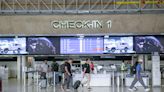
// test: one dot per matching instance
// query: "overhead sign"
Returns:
(79, 24)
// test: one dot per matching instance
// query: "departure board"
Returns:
(81, 45)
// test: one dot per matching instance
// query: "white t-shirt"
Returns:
(44, 67)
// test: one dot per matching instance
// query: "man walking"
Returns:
(86, 72)
(138, 76)
(67, 74)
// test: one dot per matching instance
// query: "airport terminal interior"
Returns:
(81, 45)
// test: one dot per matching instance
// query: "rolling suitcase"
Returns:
(43, 83)
(77, 84)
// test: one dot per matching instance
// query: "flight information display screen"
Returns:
(43, 45)
(84, 45)
(118, 45)
(149, 44)
(13, 46)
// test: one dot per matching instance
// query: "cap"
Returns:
(140, 60)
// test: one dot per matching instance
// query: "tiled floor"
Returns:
(17, 86)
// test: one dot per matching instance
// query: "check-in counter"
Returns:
(129, 79)
(96, 79)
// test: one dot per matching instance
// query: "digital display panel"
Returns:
(149, 44)
(43, 45)
(118, 45)
(84, 45)
(13, 46)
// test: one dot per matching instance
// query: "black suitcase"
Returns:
(77, 84)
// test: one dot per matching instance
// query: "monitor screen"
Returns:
(118, 45)
(85, 45)
(13, 46)
(43, 45)
(149, 44)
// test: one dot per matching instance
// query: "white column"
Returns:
(23, 58)
(19, 67)
(146, 62)
(156, 74)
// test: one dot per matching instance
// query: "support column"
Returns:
(20, 67)
(156, 74)
(146, 64)
(19, 62)
(23, 66)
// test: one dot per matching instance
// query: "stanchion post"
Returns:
(54, 79)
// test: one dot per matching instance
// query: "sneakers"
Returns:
(68, 90)
(82, 85)
(135, 89)
(147, 89)
(130, 89)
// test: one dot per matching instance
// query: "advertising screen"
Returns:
(118, 45)
(13, 46)
(85, 45)
(43, 45)
(149, 44)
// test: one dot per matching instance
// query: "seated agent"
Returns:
(138, 76)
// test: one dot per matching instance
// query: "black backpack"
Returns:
(55, 67)
(133, 69)
(62, 68)
(83, 66)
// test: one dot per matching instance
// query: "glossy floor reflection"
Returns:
(17, 86)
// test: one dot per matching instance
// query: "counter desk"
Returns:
(96, 79)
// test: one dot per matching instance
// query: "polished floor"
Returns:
(18, 86)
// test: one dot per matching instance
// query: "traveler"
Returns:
(49, 76)
(67, 74)
(123, 69)
(86, 72)
(138, 76)
(123, 66)
(55, 69)
(44, 69)
(92, 66)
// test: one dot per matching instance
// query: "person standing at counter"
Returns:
(92, 66)
(123, 69)
(44, 69)
(138, 76)
(55, 69)
(86, 72)
(123, 66)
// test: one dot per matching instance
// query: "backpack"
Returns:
(133, 69)
(83, 66)
(62, 68)
(55, 67)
